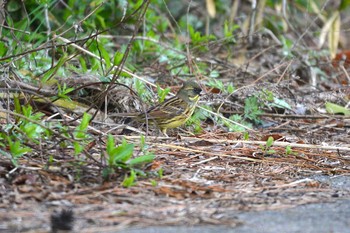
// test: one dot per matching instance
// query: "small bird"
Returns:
(175, 111)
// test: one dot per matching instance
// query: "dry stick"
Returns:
(282, 144)
(206, 160)
(16, 30)
(345, 72)
(305, 116)
(226, 119)
(284, 72)
(325, 116)
(204, 152)
(276, 143)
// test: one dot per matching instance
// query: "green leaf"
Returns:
(129, 180)
(16, 148)
(271, 152)
(49, 74)
(230, 88)
(336, 109)
(105, 56)
(85, 121)
(83, 65)
(269, 142)
(78, 148)
(122, 153)
(288, 150)
(106, 172)
(118, 57)
(344, 4)
(154, 183)
(110, 145)
(162, 93)
(141, 160)
(287, 45)
(160, 173)
(102, 21)
(17, 104)
(229, 30)
(27, 111)
(246, 135)
(216, 83)
(252, 109)
(234, 127)
(32, 130)
(142, 141)
(80, 131)
(214, 74)
(3, 49)
(63, 91)
(280, 103)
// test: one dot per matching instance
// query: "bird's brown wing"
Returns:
(169, 109)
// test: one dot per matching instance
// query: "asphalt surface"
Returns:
(312, 218)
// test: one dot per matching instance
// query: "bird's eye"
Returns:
(197, 90)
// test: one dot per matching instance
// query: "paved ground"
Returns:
(331, 216)
(312, 218)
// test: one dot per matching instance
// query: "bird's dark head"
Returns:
(190, 89)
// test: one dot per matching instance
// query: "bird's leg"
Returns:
(164, 132)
